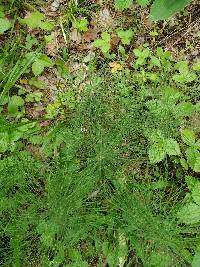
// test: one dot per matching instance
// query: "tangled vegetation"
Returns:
(100, 134)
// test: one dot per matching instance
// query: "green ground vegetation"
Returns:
(99, 151)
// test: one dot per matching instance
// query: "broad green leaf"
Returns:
(34, 97)
(125, 36)
(184, 109)
(196, 193)
(171, 94)
(142, 55)
(191, 182)
(183, 163)
(37, 68)
(196, 167)
(155, 61)
(33, 20)
(143, 3)
(172, 147)
(189, 214)
(163, 9)
(181, 78)
(196, 260)
(193, 158)
(14, 104)
(15, 135)
(81, 25)
(40, 63)
(4, 25)
(123, 4)
(182, 67)
(188, 137)
(105, 36)
(46, 25)
(157, 152)
(4, 142)
(36, 20)
(104, 43)
(37, 83)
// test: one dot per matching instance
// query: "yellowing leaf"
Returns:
(115, 67)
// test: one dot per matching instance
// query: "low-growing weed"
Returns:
(106, 177)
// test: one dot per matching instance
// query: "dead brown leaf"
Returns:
(114, 42)
(90, 35)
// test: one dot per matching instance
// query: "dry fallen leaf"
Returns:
(75, 36)
(90, 35)
(114, 42)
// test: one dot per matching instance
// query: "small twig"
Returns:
(63, 32)
(193, 24)
(176, 32)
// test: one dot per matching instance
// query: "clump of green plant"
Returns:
(64, 101)
(125, 36)
(81, 25)
(104, 43)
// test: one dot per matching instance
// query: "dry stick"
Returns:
(63, 32)
(193, 24)
(174, 33)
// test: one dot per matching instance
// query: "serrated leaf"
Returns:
(4, 25)
(191, 182)
(155, 61)
(104, 43)
(183, 163)
(196, 193)
(163, 9)
(81, 25)
(193, 158)
(172, 147)
(189, 214)
(157, 152)
(196, 167)
(123, 4)
(36, 20)
(184, 109)
(105, 36)
(171, 95)
(37, 83)
(188, 137)
(125, 36)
